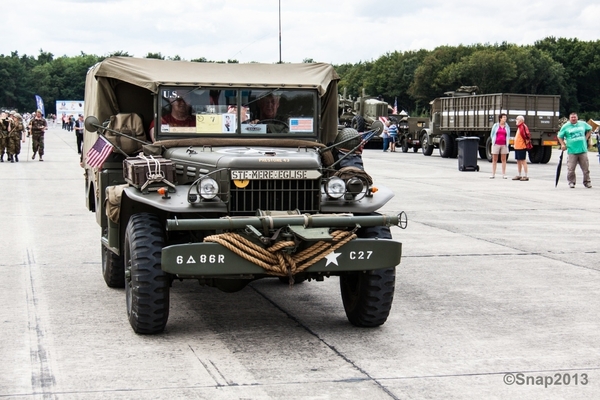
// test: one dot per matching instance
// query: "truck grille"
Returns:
(275, 195)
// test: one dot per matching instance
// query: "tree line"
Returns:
(553, 66)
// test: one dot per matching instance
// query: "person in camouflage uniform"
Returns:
(4, 123)
(15, 135)
(37, 127)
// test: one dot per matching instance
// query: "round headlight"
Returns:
(208, 188)
(355, 186)
(335, 187)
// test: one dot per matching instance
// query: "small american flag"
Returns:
(99, 152)
(396, 105)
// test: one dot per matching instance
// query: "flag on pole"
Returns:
(40, 104)
(99, 152)
(396, 105)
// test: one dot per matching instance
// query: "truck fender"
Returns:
(90, 193)
(427, 133)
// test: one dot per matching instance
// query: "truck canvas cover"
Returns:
(127, 84)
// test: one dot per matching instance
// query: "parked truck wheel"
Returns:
(482, 153)
(367, 296)
(487, 150)
(454, 148)
(112, 268)
(547, 155)
(536, 154)
(446, 146)
(415, 149)
(427, 148)
(146, 285)
(358, 123)
(404, 145)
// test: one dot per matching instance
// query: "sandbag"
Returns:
(112, 204)
(129, 124)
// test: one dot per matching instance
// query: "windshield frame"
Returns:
(232, 112)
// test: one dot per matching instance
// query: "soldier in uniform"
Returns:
(15, 135)
(4, 125)
(37, 127)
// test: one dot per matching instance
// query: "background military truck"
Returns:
(463, 115)
(225, 198)
(366, 113)
(409, 132)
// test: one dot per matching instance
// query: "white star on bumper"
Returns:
(332, 258)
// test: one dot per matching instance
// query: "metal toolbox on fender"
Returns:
(148, 172)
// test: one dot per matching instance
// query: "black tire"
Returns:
(146, 285)
(547, 155)
(536, 154)
(112, 269)
(416, 148)
(404, 145)
(358, 123)
(368, 296)
(482, 153)
(446, 146)
(488, 149)
(427, 149)
(454, 148)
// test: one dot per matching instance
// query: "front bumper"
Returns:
(199, 260)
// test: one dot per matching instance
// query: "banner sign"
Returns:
(40, 104)
(69, 107)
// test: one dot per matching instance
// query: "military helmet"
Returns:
(347, 138)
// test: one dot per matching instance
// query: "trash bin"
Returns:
(468, 148)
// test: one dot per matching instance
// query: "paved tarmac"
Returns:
(499, 280)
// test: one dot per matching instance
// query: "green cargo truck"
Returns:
(473, 115)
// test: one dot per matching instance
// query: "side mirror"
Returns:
(92, 124)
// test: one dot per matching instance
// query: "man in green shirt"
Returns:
(576, 135)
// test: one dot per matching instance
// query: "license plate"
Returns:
(275, 174)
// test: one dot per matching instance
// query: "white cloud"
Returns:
(325, 30)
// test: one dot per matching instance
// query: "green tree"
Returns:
(488, 69)
(427, 85)
(581, 61)
(157, 56)
(119, 53)
(353, 78)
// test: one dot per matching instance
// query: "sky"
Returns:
(332, 31)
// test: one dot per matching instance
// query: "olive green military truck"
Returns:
(463, 114)
(228, 173)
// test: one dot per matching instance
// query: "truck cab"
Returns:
(240, 174)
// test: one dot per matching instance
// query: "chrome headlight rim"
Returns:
(207, 188)
(335, 187)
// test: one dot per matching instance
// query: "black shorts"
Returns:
(520, 154)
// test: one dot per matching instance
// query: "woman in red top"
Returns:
(500, 136)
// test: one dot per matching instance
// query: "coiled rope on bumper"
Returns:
(274, 260)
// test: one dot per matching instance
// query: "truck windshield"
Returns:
(193, 112)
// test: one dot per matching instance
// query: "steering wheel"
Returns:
(275, 122)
